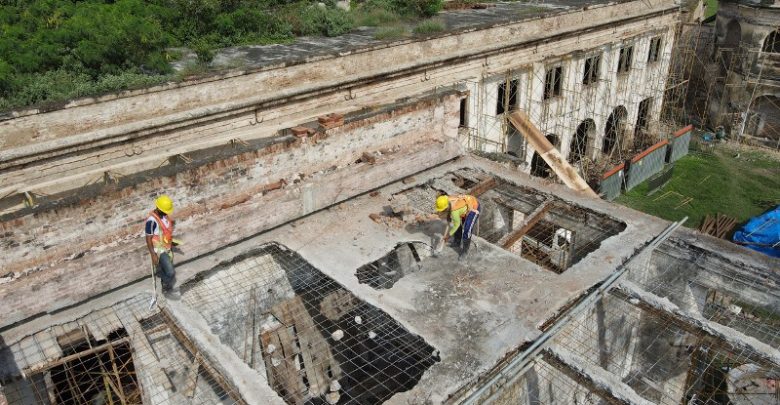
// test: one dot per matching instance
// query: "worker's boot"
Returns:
(465, 250)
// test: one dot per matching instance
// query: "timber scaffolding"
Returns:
(669, 322)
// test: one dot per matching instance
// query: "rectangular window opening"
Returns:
(625, 59)
(591, 71)
(463, 113)
(506, 101)
(655, 50)
(553, 81)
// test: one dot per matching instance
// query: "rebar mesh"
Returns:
(300, 332)
(668, 355)
(124, 354)
(310, 337)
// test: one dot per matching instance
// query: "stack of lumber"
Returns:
(718, 226)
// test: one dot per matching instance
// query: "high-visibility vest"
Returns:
(459, 201)
(163, 241)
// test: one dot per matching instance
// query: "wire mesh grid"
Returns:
(304, 335)
(308, 337)
(122, 354)
(665, 358)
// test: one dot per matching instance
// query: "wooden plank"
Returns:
(547, 151)
(532, 219)
(483, 186)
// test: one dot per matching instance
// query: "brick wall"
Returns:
(64, 253)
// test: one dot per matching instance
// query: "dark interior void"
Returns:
(89, 371)
(733, 294)
(314, 340)
(537, 226)
(104, 376)
(404, 259)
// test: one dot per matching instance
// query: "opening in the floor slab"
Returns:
(402, 260)
(93, 372)
(312, 339)
(532, 224)
(553, 234)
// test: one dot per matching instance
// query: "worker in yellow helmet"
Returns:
(159, 240)
(462, 212)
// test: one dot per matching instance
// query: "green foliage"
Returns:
(421, 8)
(429, 27)
(52, 50)
(61, 85)
(375, 17)
(330, 22)
(392, 32)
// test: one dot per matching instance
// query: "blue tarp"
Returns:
(762, 233)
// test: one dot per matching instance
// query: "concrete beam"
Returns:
(533, 218)
(221, 361)
(722, 336)
(596, 379)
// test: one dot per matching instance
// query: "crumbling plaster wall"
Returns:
(67, 253)
(561, 115)
(47, 152)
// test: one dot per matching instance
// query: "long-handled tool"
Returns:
(154, 288)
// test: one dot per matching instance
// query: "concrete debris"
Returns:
(271, 348)
(335, 386)
(337, 335)
(371, 335)
(333, 397)
(358, 320)
(275, 361)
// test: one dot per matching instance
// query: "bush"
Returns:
(421, 8)
(61, 85)
(204, 49)
(330, 22)
(389, 33)
(429, 27)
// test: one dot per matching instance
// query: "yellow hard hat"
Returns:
(164, 204)
(442, 202)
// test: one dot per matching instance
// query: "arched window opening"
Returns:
(613, 132)
(579, 142)
(772, 42)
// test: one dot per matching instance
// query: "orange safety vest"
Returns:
(459, 201)
(164, 241)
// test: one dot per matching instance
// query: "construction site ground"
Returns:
(739, 181)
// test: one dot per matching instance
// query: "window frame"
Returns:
(514, 88)
(555, 74)
(654, 53)
(591, 76)
(625, 59)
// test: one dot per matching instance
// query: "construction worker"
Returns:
(159, 241)
(462, 212)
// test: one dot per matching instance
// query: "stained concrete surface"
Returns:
(474, 312)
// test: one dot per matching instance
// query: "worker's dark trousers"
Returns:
(166, 271)
(463, 234)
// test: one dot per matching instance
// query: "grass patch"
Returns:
(375, 17)
(428, 27)
(718, 182)
(390, 33)
(712, 8)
